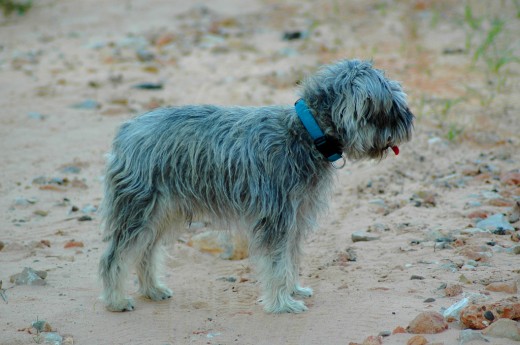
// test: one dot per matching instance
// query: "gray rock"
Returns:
(503, 328)
(88, 104)
(29, 277)
(496, 222)
(468, 335)
(360, 236)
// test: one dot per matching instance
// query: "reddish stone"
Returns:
(73, 244)
(473, 316)
(501, 202)
(509, 287)
(428, 322)
(373, 340)
(478, 214)
(511, 178)
(398, 330)
(453, 290)
(417, 340)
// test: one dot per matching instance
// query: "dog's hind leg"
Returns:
(113, 269)
(151, 254)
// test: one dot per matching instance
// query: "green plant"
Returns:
(454, 131)
(10, 6)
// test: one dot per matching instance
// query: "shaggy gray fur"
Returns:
(255, 167)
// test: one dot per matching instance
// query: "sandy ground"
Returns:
(461, 164)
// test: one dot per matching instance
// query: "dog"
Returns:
(268, 170)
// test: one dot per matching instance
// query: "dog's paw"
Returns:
(301, 291)
(125, 304)
(158, 293)
(289, 305)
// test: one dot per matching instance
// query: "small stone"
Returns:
(373, 340)
(428, 322)
(417, 340)
(41, 213)
(144, 55)
(53, 338)
(473, 316)
(514, 214)
(2, 245)
(29, 277)
(398, 330)
(503, 328)
(74, 244)
(429, 300)
(416, 277)
(511, 178)
(468, 335)
(495, 222)
(489, 315)
(88, 104)
(453, 290)
(478, 214)
(384, 334)
(164, 39)
(84, 218)
(148, 86)
(361, 236)
(509, 287)
(42, 326)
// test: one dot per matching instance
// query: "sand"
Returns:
(461, 163)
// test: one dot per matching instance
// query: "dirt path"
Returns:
(72, 71)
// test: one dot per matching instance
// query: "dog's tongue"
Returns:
(395, 149)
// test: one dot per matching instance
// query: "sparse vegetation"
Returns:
(20, 7)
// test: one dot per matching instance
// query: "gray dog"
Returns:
(266, 170)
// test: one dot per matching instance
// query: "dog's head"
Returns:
(364, 110)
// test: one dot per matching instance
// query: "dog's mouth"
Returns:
(394, 148)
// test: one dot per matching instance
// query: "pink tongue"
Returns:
(395, 149)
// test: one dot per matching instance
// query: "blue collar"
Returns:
(328, 146)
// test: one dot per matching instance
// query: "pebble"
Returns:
(511, 178)
(385, 333)
(453, 290)
(417, 340)
(74, 244)
(429, 300)
(144, 55)
(148, 86)
(503, 328)
(495, 222)
(416, 277)
(88, 104)
(509, 287)
(2, 245)
(428, 322)
(53, 338)
(468, 335)
(294, 35)
(84, 218)
(474, 317)
(362, 236)
(29, 277)
(41, 326)
(89, 208)
(514, 214)
(399, 330)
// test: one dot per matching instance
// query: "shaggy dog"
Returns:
(266, 170)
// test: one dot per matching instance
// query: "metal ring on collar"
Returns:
(335, 164)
